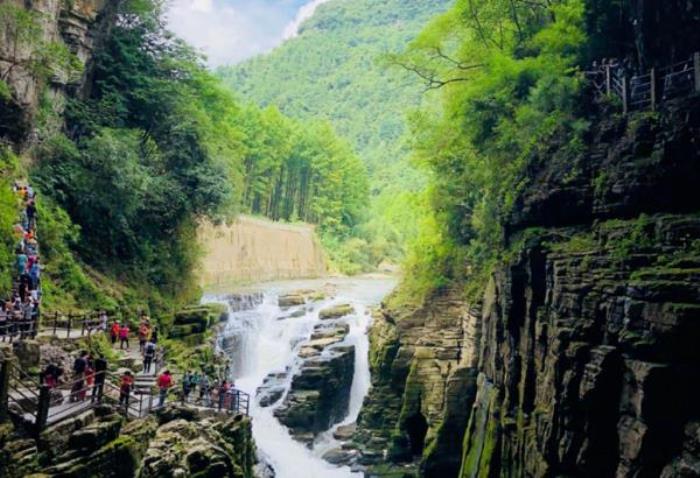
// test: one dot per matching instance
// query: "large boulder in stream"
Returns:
(336, 312)
(320, 393)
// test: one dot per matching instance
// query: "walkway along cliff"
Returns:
(255, 250)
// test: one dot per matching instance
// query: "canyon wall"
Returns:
(254, 250)
(27, 47)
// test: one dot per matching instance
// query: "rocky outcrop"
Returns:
(319, 395)
(30, 29)
(192, 323)
(423, 364)
(587, 359)
(581, 358)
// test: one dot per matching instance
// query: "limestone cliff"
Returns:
(582, 360)
(33, 36)
(253, 250)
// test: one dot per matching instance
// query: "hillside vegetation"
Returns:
(336, 70)
(152, 145)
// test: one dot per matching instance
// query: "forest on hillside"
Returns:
(336, 69)
(127, 166)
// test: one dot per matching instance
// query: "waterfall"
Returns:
(264, 339)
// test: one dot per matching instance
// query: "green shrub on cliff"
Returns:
(507, 73)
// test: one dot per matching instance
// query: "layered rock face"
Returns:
(77, 25)
(582, 357)
(423, 382)
(588, 364)
(320, 391)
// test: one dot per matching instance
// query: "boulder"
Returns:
(336, 312)
(345, 432)
(290, 300)
(319, 394)
(28, 353)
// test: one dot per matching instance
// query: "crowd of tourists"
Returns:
(20, 312)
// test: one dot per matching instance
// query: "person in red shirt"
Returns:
(144, 335)
(124, 336)
(114, 332)
(127, 382)
(165, 381)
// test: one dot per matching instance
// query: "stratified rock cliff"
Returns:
(33, 35)
(584, 356)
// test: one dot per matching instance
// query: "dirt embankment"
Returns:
(253, 250)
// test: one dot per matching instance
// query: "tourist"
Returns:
(144, 334)
(149, 352)
(114, 332)
(127, 382)
(154, 335)
(222, 391)
(186, 386)
(124, 336)
(103, 320)
(100, 376)
(34, 274)
(204, 392)
(79, 367)
(89, 379)
(165, 381)
(50, 376)
(30, 212)
(21, 263)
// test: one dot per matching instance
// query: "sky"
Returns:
(229, 31)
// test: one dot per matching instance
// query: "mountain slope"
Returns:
(333, 70)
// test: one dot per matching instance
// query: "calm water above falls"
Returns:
(258, 344)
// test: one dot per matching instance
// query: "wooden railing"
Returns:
(645, 91)
(38, 406)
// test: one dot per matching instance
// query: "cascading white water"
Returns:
(260, 344)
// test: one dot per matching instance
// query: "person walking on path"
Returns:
(35, 275)
(124, 336)
(114, 332)
(79, 367)
(103, 320)
(186, 386)
(149, 351)
(165, 381)
(204, 392)
(144, 335)
(127, 382)
(154, 335)
(89, 379)
(100, 375)
(223, 390)
(21, 263)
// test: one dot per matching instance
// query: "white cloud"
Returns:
(304, 13)
(229, 31)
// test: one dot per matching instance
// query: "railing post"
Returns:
(70, 319)
(5, 371)
(696, 68)
(608, 80)
(55, 323)
(42, 409)
(624, 95)
(82, 327)
(652, 79)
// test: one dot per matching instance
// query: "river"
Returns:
(259, 344)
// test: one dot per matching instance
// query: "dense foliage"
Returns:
(158, 145)
(333, 70)
(507, 73)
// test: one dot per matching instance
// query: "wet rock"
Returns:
(290, 300)
(271, 389)
(336, 312)
(319, 394)
(338, 456)
(345, 432)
